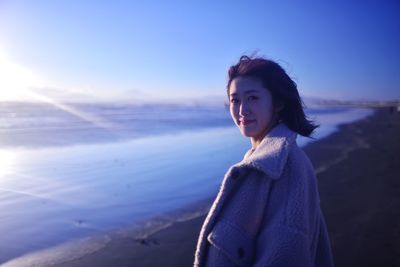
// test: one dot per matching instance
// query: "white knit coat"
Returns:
(267, 212)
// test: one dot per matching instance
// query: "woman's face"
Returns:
(251, 107)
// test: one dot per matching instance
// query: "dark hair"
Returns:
(283, 90)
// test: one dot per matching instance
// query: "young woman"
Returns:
(267, 212)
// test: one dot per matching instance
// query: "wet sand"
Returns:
(358, 171)
(359, 181)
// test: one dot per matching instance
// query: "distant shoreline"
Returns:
(41, 125)
(214, 101)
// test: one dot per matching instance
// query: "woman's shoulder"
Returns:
(299, 161)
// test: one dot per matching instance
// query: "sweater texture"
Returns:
(267, 211)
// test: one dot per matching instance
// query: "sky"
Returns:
(166, 49)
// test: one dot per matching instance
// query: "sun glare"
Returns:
(18, 84)
(15, 80)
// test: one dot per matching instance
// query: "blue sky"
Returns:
(337, 49)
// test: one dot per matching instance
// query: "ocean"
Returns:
(80, 173)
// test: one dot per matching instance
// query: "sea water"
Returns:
(75, 171)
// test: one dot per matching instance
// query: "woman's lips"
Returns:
(246, 122)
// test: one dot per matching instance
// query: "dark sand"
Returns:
(359, 178)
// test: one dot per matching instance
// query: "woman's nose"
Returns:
(244, 109)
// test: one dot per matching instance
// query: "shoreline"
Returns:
(30, 138)
(360, 190)
(174, 245)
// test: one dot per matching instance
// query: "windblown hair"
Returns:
(283, 90)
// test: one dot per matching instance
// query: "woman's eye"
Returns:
(253, 97)
(234, 101)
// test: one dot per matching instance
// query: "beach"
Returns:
(358, 174)
(359, 181)
(357, 168)
(119, 122)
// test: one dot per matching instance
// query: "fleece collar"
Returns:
(271, 154)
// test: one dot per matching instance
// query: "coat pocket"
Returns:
(230, 240)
